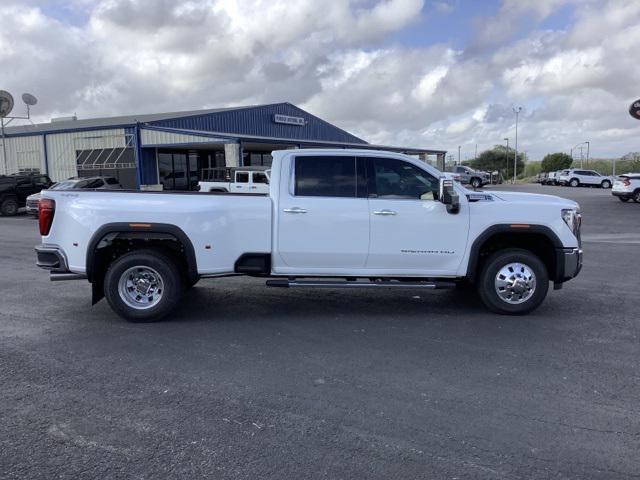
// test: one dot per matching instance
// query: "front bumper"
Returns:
(569, 264)
(32, 208)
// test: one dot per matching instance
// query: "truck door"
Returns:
(411, 232)
(241, 183)
(322, 217)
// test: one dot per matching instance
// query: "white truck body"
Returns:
(374, 236)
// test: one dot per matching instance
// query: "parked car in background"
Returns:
(100, 183)
(235, 180)
(627, 187)
(14, 190)
(468, 175)
(551, 178)
(541, 178)
(575, 177)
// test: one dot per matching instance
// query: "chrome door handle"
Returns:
(384, 212)
(295, 210)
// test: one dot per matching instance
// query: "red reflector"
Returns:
(46, 210)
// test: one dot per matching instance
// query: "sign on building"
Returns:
(288, 120)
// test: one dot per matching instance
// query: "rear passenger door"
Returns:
(241, 184)
(322, 217)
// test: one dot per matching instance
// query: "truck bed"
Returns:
(221, 227)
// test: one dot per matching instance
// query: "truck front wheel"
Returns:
(513, 282)
(143, 285)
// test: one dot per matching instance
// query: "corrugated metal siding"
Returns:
(22, 153)
(153, 137)
(61, 149)
(259, 121)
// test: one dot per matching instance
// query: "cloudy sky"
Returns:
(422, 73)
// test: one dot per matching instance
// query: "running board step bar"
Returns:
(358, 284)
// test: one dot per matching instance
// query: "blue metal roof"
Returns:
(256, 120)
(259, 121)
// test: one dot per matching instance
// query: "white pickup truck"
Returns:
(235, 180)
(332, 218)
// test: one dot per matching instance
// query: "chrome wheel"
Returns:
(141, 287)
(515, 283)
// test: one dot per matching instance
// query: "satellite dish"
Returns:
(29, 99)
(6, 103)
(634, 109)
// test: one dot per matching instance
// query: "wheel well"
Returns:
(111, 242)
(536, 242)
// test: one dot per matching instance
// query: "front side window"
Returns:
(396, 179)
(242, 177)
(259, 177)
(317, 176)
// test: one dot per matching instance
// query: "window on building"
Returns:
(325, 176)
(402, 180)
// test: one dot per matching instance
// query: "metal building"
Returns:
(172, 149)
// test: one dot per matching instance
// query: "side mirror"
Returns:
(448, 196)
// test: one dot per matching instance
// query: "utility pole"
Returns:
(458, 154)
(506, 158)
(587, 153)
(517, 111)
(475, 157)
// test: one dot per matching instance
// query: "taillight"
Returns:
(46, 210)
(625, 181)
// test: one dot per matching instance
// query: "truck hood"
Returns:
(520, 197)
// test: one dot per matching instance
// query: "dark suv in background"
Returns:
(14, 190)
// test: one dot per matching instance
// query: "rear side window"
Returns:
(317, 176)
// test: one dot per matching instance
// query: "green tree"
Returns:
(501, 159)
(556, 161)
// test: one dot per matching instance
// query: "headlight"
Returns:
(573, 219)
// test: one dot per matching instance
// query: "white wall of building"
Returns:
(27, 152)
(22, 153)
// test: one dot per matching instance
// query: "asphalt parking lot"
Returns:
(249, 382)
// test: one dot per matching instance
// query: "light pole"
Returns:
(506, 158)
(587, 153)
(458, 154)
(517, 111)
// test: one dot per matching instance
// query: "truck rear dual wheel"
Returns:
(513, 282)
(143, 285)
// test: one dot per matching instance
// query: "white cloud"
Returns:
(334, 57)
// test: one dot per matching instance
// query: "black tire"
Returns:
(476, 182)
(9, 207)
(605, 184)
(487, 281)
(623, 199)
(636, 196)
(574, 182)
(171, 282)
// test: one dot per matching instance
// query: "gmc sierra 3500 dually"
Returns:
(332, 218)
